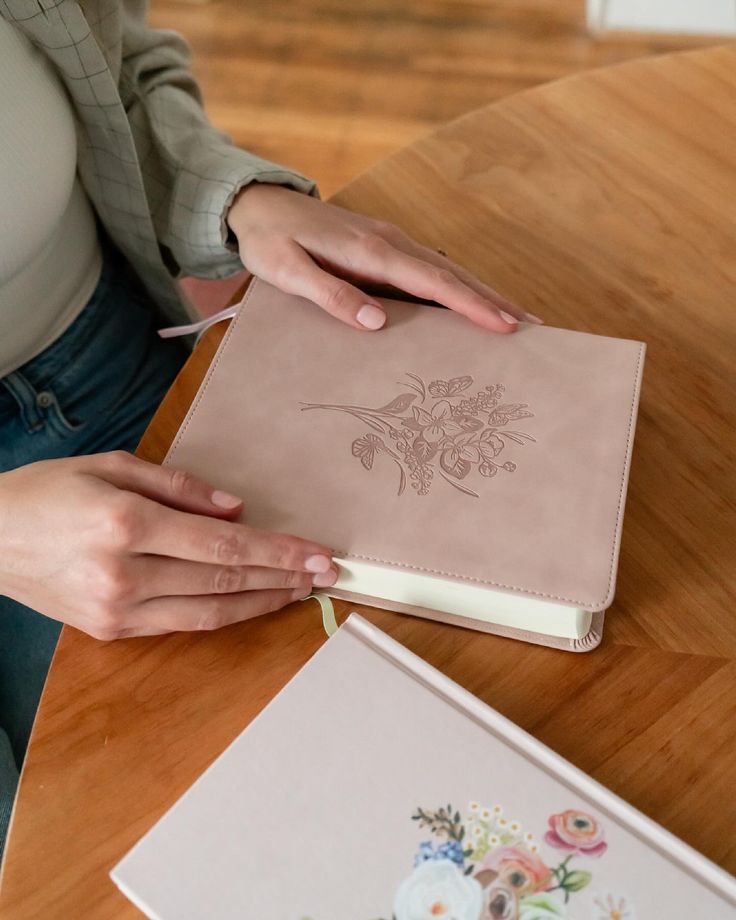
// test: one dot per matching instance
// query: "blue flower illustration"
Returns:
(426, 852)
(452, 850)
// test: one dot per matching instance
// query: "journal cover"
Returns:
(374, 788)
(433, 445)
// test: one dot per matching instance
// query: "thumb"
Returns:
(172, 487)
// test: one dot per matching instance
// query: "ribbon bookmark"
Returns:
(329, 622)
(172, 332)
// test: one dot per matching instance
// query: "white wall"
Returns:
(690, 16)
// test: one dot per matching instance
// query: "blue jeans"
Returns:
(94, 389)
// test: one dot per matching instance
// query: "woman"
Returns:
(114, 185)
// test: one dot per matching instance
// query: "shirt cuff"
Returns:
(204, 203)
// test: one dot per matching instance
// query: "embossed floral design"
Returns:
(366, 449)
(576, 831)
(446, 431)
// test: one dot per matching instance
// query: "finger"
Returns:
(411, 247)
(188, 614)
(432, 281)
(300, 275)
(173, 487)
(162, 531)
(158, 576)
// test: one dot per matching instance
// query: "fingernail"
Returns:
(225, 500)
(318, 564)
(371, 317)
(508, 317)
(531, 318)
(325, 579)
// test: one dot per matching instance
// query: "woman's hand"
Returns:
(119, 547)
(306, 247)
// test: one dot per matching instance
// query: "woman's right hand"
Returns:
(119, 547)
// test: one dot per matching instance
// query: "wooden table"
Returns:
(605, 203)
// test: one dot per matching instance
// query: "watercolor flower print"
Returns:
(484, 866)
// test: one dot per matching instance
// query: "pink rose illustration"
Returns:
(521, 870)
(576, 831)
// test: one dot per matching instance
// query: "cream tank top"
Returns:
(50, 255)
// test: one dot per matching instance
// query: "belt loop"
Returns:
(26, 398)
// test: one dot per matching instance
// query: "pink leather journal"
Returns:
(429, 448)
(374, 787)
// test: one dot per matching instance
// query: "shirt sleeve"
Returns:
(191, 171)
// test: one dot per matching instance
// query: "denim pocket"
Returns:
(56, 418)
(39, 410)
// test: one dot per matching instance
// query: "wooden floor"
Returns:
(329, 87)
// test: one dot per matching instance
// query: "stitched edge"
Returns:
(220, 351)
(594, 606)
(626, 463)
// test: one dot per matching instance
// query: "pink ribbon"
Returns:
(172, 332)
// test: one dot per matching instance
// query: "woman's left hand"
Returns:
(307, 247)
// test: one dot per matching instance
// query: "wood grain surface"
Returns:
(605, 203)
(330, 87)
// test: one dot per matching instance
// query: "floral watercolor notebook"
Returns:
(374, 788)
(461, 475)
